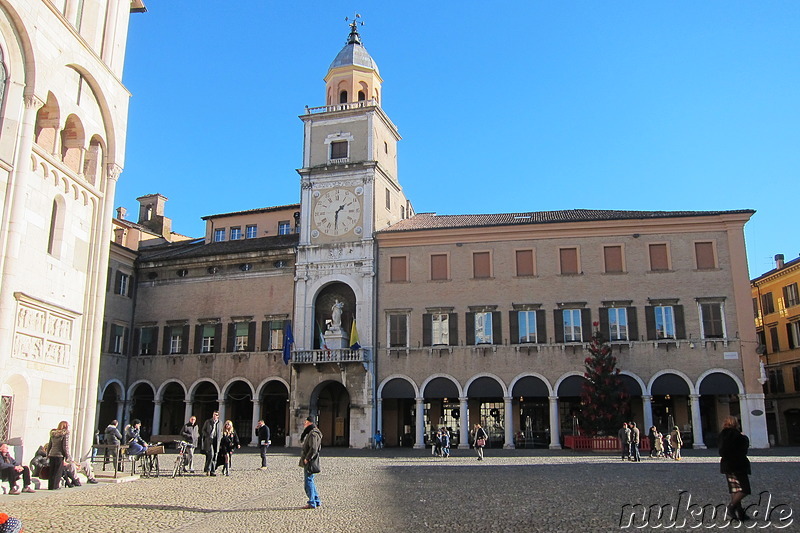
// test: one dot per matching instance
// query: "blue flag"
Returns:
(288, 340)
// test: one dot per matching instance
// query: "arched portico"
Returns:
(568, 389)
(675, 403)
(330, 405)
(490, 405)
(440, 405)
(396, 411)
(530, 395)
(237, 406)
(142, 406)
(719, 391)
(272, 406)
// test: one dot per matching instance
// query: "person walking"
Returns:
(677, 442)
(227, 444)
(624, 436)
(651, 436)
(733, 446)
(311, 440)
(58, 453)
(190, 433)
(263, 437)
(211, 434)
(445, 443)
(11, 471)
(635, 437)
(479, 436)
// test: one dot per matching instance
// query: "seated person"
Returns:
(39, 461)
(11, 470)
(136, 445)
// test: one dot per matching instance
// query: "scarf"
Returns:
(306, 431)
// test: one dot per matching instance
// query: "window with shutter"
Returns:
(440, 328)
(613, 259)
(438, 267)
(618, 323)
(398, 330)
(572, 325)
(704, 255)
(241, 331)
(483, 328)
(664, 322)
(711, 320)
(659, 260)
(398, 269)
(528, 331)
(568, 260)
(209, 336)
(524, 260)
(790, 295)
(481, 265)
(276, 333)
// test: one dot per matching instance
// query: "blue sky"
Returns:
(503, 107)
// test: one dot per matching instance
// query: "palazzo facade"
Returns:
(406, 322)
(63, 116)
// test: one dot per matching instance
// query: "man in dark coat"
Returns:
(11, 470)
(211, 434)
(733, 446)
(311, 440)
(263, 437)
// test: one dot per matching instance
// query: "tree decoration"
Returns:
(604, 400)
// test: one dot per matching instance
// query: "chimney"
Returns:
(121, 213)
(779, 261)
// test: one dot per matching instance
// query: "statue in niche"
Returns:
(336, 315)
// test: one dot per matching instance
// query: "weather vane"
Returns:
(354, 38)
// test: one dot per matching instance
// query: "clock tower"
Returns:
(349, 190)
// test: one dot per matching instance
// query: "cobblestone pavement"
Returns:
(407, 490)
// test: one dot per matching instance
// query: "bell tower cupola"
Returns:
(353, 76)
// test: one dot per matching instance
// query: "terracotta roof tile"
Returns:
(198, 247)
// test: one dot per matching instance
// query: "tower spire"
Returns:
(354, 37)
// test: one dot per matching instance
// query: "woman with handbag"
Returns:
(480, 437)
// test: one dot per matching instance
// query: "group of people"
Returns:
(441, 441)
(666, 445)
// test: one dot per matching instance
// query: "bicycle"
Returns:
(182, 460)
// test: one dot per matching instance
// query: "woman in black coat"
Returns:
(227, 444)
(733, 446)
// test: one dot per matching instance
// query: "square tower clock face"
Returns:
(337, 212)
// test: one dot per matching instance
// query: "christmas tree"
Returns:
(604, 400)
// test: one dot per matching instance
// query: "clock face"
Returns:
(337, 212)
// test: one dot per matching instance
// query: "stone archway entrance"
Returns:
(398, 413)
(332, 405)
(142, 408)
(275, 410)
(109, 407)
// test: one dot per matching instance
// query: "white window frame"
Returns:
(618, 324)
(276, 333)
(664, 321)
(574, 331)
(526, 321)
(440, 329)
(236, 233)
(240, 341)
(483, 328)
(794, 332)
(119, 338)
(251, 231)
(207, 341)
(285, 227)
(792, 297)
(175, 342)
(124, 284)
(219, 235)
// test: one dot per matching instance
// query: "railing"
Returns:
(341, 107)
(344, 355)
(577, 442)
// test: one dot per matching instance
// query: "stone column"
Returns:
(509, 423)
(555, 424)
(379, 416)
(221, 409)
(156, 429)
(255, 419)
(120, 411)
(187, 412)
(463, 423)
(697, 425)
(647, 410)
(420, 441)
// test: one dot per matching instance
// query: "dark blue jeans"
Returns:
(635, 452)
(311, 489)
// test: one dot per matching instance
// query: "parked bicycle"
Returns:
(182, 460)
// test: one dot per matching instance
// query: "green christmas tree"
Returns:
(605, 402)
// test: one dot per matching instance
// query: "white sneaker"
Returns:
(28, 489)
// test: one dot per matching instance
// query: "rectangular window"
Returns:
(219, 235)
(704, 254)
(796, 378)
(524, 262)
(236, 233)
(618, 323)
(284, 227)
(755, 307)
(776, 381)
(793, 335)
(659, 260)
(612, 256)
(240, 336)
(439, 267)
(147, 341)
(207, 343)
(176, 340)
(117, 339)
(398, 331)
(569, 260)
(527, 326)
(767, 304)
(711, 320)
(665, 322)
(773, 337)
(124, 284)
(440, 328)
(481, 265)
(251, 232)
(483, 328)
(572, 325)
(388, 200)
(276, 333)
(398, 269)
(339, 150)
(790, 295)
